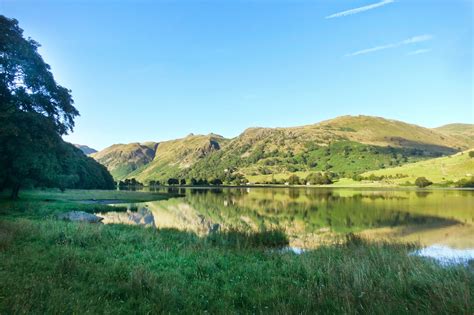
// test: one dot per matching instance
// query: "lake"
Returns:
(315, 216)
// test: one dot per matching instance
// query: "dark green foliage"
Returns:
(373, 177)
(345, 158)
(294, 180)
(422, 182)
(216, 182)
(131, 183)
(465, 183)
(88, 174)
(154, 183)
(34, 112)
(37, 156)
(27, 84)
(471, 154)
(202, 182)
(319, 179)
(173, 181)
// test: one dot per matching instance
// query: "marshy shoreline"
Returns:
(121, 269)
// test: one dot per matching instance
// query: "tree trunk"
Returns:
(15, 191)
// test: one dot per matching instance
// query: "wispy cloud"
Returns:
(409, 41)
(361, 9)
(419, 51)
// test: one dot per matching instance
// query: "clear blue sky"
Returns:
(157, 70)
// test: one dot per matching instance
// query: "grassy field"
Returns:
(440, 170)
(49, 266)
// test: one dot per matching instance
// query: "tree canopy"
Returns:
(35, 112)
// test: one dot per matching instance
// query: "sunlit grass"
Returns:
(49, 266)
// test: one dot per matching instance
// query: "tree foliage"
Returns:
(422, 182)
(319, 179)
(35, 112)
(294, 180)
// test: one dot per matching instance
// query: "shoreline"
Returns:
(313, 186)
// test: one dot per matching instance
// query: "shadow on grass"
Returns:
(53, 266)
(240, 239)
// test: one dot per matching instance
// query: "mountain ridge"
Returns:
(259, 149)
(85, 149)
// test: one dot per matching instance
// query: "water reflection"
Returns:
(143, 216)
(312, 217)
(446, 255)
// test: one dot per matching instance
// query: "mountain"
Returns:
(462, 132)
(345, 145)
(157, 160)
(171, 157)
(85, 149)
(122, 159)
(439, 170)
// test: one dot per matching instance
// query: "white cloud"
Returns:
(416, 39)
(419, 51)
(359, 10)
(409, 41)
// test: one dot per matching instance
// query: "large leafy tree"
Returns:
(35, 112)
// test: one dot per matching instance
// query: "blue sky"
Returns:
(158, 70)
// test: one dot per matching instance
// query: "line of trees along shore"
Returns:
(35, 112)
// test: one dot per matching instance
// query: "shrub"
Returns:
(216, 182)
(318, 179)
(471, 154)
(422, 182)
(465, 182)
(294, 180)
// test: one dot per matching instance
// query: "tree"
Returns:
(182, 182)
(465, 182)
(173, 181)
(35, 112)
(294, 180)
(422, 182)
(216, 182)
(202, 182)
(318, 179)
(471, 154)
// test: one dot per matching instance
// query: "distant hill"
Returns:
(439, 170)
(345, 145)
(85, 149)
(171, 157)
(122, 159)
(462, 132)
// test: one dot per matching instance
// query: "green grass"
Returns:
(440, 170)
(49, 266)
(39, 204)
(81, 195)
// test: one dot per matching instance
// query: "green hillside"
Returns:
(346, 145)
(172, 157)
(122, 159)
(85, 149)
(439, 170)
(462, 132)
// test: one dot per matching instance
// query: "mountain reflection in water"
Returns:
(312, 217)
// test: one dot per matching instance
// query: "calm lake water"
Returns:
(315, 216)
